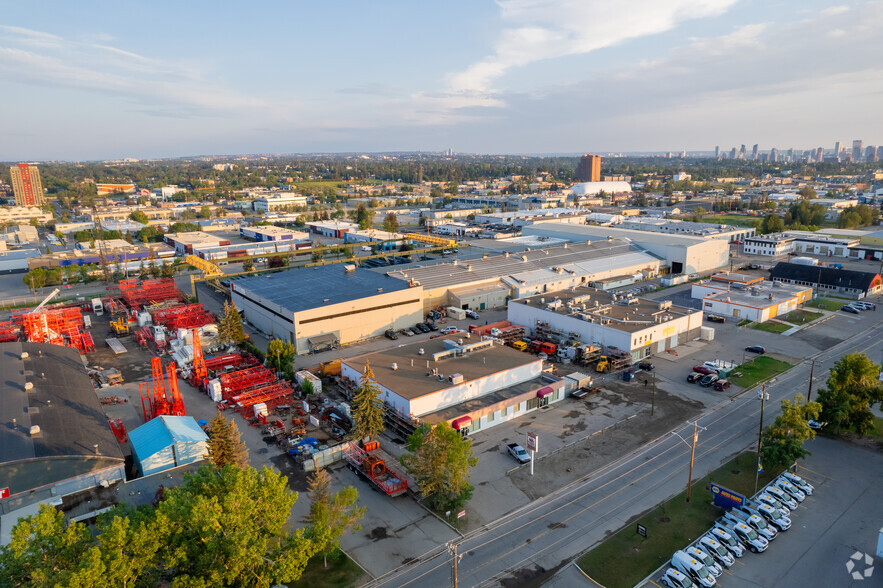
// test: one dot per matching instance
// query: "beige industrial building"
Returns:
(641, 327)
(327, 306)
(685, 255)
(489, 282)
(756, 300)
(471, 384)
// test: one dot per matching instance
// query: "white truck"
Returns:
(518, 452)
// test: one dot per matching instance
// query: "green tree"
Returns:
(391, 222)
(440, 459)
(205, 211)
(280, 355)
(306, 387)
(367, 408)
(331, 515)
(225, 445)
(248, 265)
(36, 278)
(364, 217)
(852, 389)
(772, 223)
(808, 193)
(782, 442)
(167, 270)
(139, 216)
(230, 328)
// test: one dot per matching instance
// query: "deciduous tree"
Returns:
(331, 515)
(440, 458)
(391, 222)
(367, 408)
(782, 442)
(852, 389)
(280, 355)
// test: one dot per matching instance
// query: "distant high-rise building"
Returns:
(754, 152)
(27, 185)
(820, 153)
(589, 168)
(870, 154)
(774, 155)
(879, 152)
(857, 147)
(742, 152)
(733, 153)
(791, 153)
(838, 147)
(717, 152)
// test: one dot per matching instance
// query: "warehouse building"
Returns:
(485, 283)
(271, 233)
(641, 327)
(685, 255)
(268, 248)
(381, 239)
(55, 439)
(471, 384)
(828, 280)
(332, 229)
(690, 229)
(520, 218)
(186, 242)
(167, 442)
(751, 298)
(326, 306)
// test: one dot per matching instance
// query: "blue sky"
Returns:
(89, 80)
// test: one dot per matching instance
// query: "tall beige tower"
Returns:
(27, 185)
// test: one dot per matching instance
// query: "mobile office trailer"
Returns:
(97, 307)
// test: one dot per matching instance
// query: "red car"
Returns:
(704, 370)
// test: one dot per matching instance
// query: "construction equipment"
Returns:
(119, 430)
(158, 398)
(176, 402)
(182, 316)
(137, 295)
(601, 367)
(52, 295)
(198, 369)
(431, 239)
(120, 326)
(373, 469)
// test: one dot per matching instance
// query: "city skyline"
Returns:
(516, 76)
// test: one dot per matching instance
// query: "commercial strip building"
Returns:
(185, 243)
(638, 326)
(327, 306)
(23, 214)
(392, 240)
(271, 233)
(777, 244)
(685, 255)
(471, 384)
(332, 229)
(520, 218)
(828, 280)
(750, 298)
(121, 252)
(26, 184)
(687, 228)
(488, 282)
(55, 439)
(279, 200)
(269, 248)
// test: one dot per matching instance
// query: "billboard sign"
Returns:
(532, 442)
(725, 497)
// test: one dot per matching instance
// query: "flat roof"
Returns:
(505, 265)
(194, 237)
(760, 296)
(736, 278)
(487, 400)
(411, 381)
(63, 403)
(595, 233)
(302, 289)
(274, 230)
(611, 309)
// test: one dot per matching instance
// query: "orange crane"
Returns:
(177, 403)
(160, 402)
(198, 371)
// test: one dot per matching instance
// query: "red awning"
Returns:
(461, 422)
(543, 392)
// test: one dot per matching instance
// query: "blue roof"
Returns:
(303, 289)
(157, 434)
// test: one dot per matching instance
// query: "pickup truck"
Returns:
(518, 452)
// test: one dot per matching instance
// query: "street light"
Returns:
(763, 398)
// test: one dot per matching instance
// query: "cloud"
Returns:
(548, 29)
(160, 88)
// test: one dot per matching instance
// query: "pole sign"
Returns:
(532, 442)
(642, 530)
(461, 514)
(4, 492)
(725, 497)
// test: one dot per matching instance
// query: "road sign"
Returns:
(642, 530)
(532, 442)
(4, 492)
(461, 514)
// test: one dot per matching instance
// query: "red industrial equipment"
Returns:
(148, 291)
(372, 468)
(146, 401)
(198, 370)
(8, 332)
(58, 326)
(248, 378)
(272, 394)
(119, 429)
(160, 403)
(177, 403)
(182, 316)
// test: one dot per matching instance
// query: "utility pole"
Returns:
(809, 388)
(452, 547)
(763, 399)
(653, 397)
(692, 457)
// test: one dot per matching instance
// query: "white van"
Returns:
(97, 307)
(696, 570)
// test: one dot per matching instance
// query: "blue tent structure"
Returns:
(167, 442)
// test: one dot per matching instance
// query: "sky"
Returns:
(104, 80)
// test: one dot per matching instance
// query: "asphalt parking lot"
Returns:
(841, 518)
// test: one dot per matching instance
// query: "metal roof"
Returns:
(302, 289)
(157, 434)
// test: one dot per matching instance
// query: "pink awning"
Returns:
(461, 422)
(543, 392)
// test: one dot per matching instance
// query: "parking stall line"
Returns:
(816, 473)
(655, 584)
(740, 563)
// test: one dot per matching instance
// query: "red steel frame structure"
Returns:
(183, 316)
(248, 378)
(148, 291)
(161, 398)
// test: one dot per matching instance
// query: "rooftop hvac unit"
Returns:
(29, 386)
(456, 379)
(395, 366)
(348, 268)
(420, 351)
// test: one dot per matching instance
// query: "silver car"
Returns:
(804, 486)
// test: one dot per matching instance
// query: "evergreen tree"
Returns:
(225, 445)
(366, 409)
(331, 515)
(230, 328)
(280, 355)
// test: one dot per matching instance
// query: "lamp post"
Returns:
(692, 456)
(763, 398)
(809, 389)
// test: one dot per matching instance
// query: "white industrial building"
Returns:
(272, 233)
(333, 229)
(690, 229)
(641, 327)
(594, 188)
(279, 200)
(471, 384)
(685, 255)
(326, 306)
(520, 218)
(777, 244)
(749, 298)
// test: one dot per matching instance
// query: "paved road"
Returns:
(543, 536)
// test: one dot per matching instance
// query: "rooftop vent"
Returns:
(24, 355)
(395, 366)
(348, 268)
(456, 379)
(325, 299)
(420, 351)
(35, 431)
(29, 386)
(380, 289)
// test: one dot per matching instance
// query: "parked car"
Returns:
(865, 305)
(715, 568)
(721, 385)
(472, 314)
(518, 452)
(695, 377)
(743, 514)
(781, 496)
(675, 579)
(432, 326)
(804, 486)
(733, 545)
(716, 318)
(745, 534)
(755, 349)
(696, 570)
(390, 334)
(850, 309)
(791, 489)
(816, 425)
(767, 498)
(646, 366)
(704, 369)
(416, 330)
(774, 516)
(423, 327)
(434, 315)
(450, 330)
(406, 332)
(708, 380)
